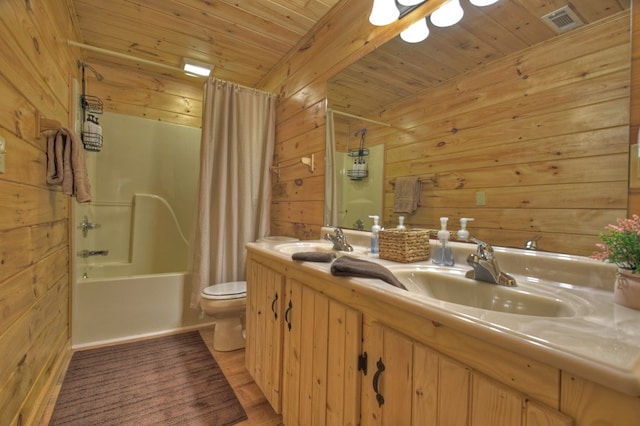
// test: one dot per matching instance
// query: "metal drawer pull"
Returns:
(273, 306)
(376, 377)
(286, 315)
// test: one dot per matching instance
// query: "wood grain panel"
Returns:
(299, 212)
(26, 345)
(34, 247)
(493, 404)
(589, 403)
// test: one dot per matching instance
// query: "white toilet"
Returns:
(226, 303)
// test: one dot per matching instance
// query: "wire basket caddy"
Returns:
(92, 104)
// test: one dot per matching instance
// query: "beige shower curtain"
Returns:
(238, 133)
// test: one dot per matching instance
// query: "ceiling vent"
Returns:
(563, 19)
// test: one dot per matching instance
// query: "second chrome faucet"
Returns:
(339, 240)
(485, 266)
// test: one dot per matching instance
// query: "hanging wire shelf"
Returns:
(357, 174)
(92, 141)
(360, 169)
(92, 104)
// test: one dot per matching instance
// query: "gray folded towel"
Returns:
(350, 266)
(314, 256)
(407, 194)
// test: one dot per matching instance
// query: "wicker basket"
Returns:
(404, 246)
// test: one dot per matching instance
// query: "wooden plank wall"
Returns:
(35, 74)
(149, 94)
(587, 192)
(341, 37)
(634, 193)
(543, 134)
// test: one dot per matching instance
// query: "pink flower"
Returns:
(621, 244)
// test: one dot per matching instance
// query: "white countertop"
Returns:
(601, 342)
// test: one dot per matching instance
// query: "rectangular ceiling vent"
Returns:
(563, 19)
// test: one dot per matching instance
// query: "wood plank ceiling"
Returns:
(244, 39)
(485, 34)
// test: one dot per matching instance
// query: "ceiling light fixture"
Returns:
(450, 13)
(193, 67)
(384, 12)
(417, 32)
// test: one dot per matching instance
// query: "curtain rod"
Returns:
(346, 114)
(152, 63)
(243, 87)
(124, 56)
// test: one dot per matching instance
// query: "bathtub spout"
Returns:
(89, 253)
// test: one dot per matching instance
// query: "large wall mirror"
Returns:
(507, 117)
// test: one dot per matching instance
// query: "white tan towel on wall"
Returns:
(66, 165)
(407, 195)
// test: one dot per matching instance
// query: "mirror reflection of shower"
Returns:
(359, 172)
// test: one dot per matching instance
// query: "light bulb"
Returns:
(413, 2)
(450, 13)
(482, 2)
(417, 32)
(383, 12)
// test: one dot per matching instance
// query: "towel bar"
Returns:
(43, 124)
(393, 181)
(308, 161)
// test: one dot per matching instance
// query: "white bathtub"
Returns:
(122, 308)
(135, 290)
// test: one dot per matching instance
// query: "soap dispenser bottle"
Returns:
(463, 233)
(401, 226)
(374, 235)
(443, 254)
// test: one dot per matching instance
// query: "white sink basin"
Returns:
(450, 285)
(319, 246)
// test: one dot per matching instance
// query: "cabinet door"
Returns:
(265, 312)
(387, 388)
(321, 347)
(409, 384)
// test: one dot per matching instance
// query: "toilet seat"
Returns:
(226, 291)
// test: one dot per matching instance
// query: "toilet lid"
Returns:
(230, 290)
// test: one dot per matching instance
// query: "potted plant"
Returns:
(621, 245)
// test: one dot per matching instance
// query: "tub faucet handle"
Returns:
(85, 225)
(89, 253)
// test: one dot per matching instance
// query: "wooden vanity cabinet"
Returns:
(306, 332)
(302, 348)
(264, 328)
(410, 384)
(322, 341)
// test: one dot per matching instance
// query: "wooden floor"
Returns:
(258, 410)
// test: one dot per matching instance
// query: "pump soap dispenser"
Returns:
(443, 254)
(374, 235)
(463, 233)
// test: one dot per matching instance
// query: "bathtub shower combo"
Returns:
(134, 283)
(130, 245)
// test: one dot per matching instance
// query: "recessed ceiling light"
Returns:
(193, 67)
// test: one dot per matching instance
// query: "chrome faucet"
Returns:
(485, 266)
(89, 253)
(339, 240)
(85, 225)
(532, 244)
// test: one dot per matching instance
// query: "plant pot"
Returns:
(626, 291)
